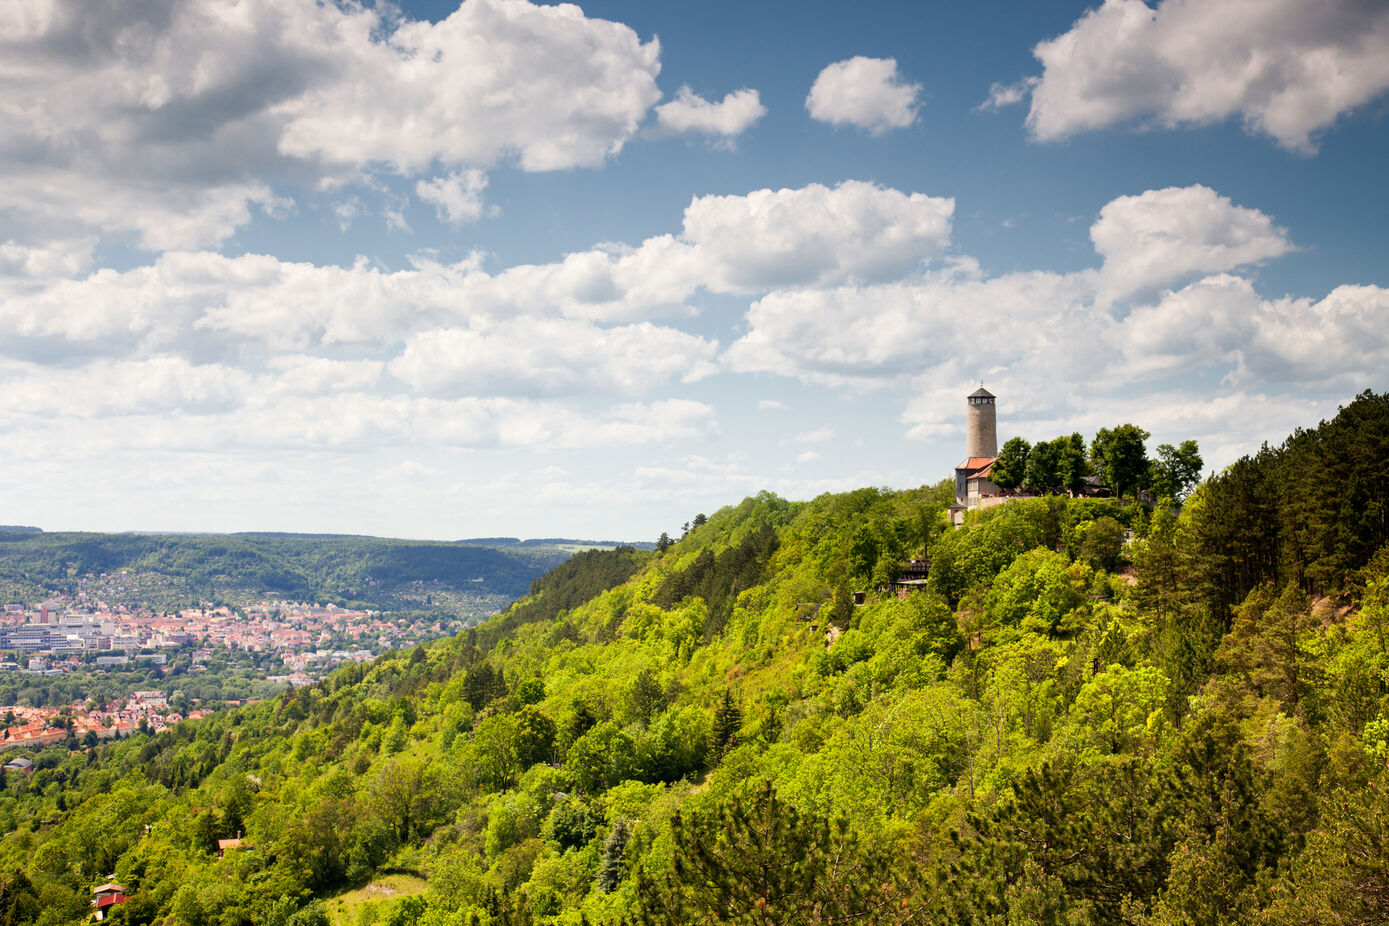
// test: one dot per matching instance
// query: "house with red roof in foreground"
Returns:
(106, 897)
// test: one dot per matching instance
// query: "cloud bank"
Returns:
(853, 287)
(170, 124)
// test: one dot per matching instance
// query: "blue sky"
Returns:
(503, 268)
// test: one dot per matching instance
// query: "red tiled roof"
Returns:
(974, 463)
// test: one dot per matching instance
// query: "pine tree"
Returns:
(756, 860)
(480, 685)
(612, 868)
(728, 721)
(580, 721)
(648, 698)
(19, 901)
(1342, 876)
(1082, 843)
(1274, 643)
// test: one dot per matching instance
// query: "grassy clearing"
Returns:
(369, 904)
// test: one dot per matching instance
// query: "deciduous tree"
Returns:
(1011, 465)
(404, 793)
(1176, 469)
(1043, 473)
(1118, 454)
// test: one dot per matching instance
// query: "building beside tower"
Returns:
(973, 489)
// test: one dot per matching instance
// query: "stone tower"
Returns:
(981, 427)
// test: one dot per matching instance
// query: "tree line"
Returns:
(1118, 456)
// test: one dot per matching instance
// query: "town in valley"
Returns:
(141, 664)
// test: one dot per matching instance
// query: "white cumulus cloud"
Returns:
(1204, 324)
(763, 240)
(1161, 236)
(1338, 343)
(689, 112)
(457, 197)
(867, 93)
(816, 234)
(1095, 332)
(496, 78)
(1287, 69)
(953, 318)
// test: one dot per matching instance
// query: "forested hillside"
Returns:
(1062, 727)
(179, 570)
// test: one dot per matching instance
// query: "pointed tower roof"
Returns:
(981, 393)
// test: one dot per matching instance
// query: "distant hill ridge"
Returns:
(348, 570)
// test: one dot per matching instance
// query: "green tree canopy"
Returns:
(757, 860)
(1176, 469)
(1072, 466)
(1011, 465)
(1120, 457)
(1043, 472)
